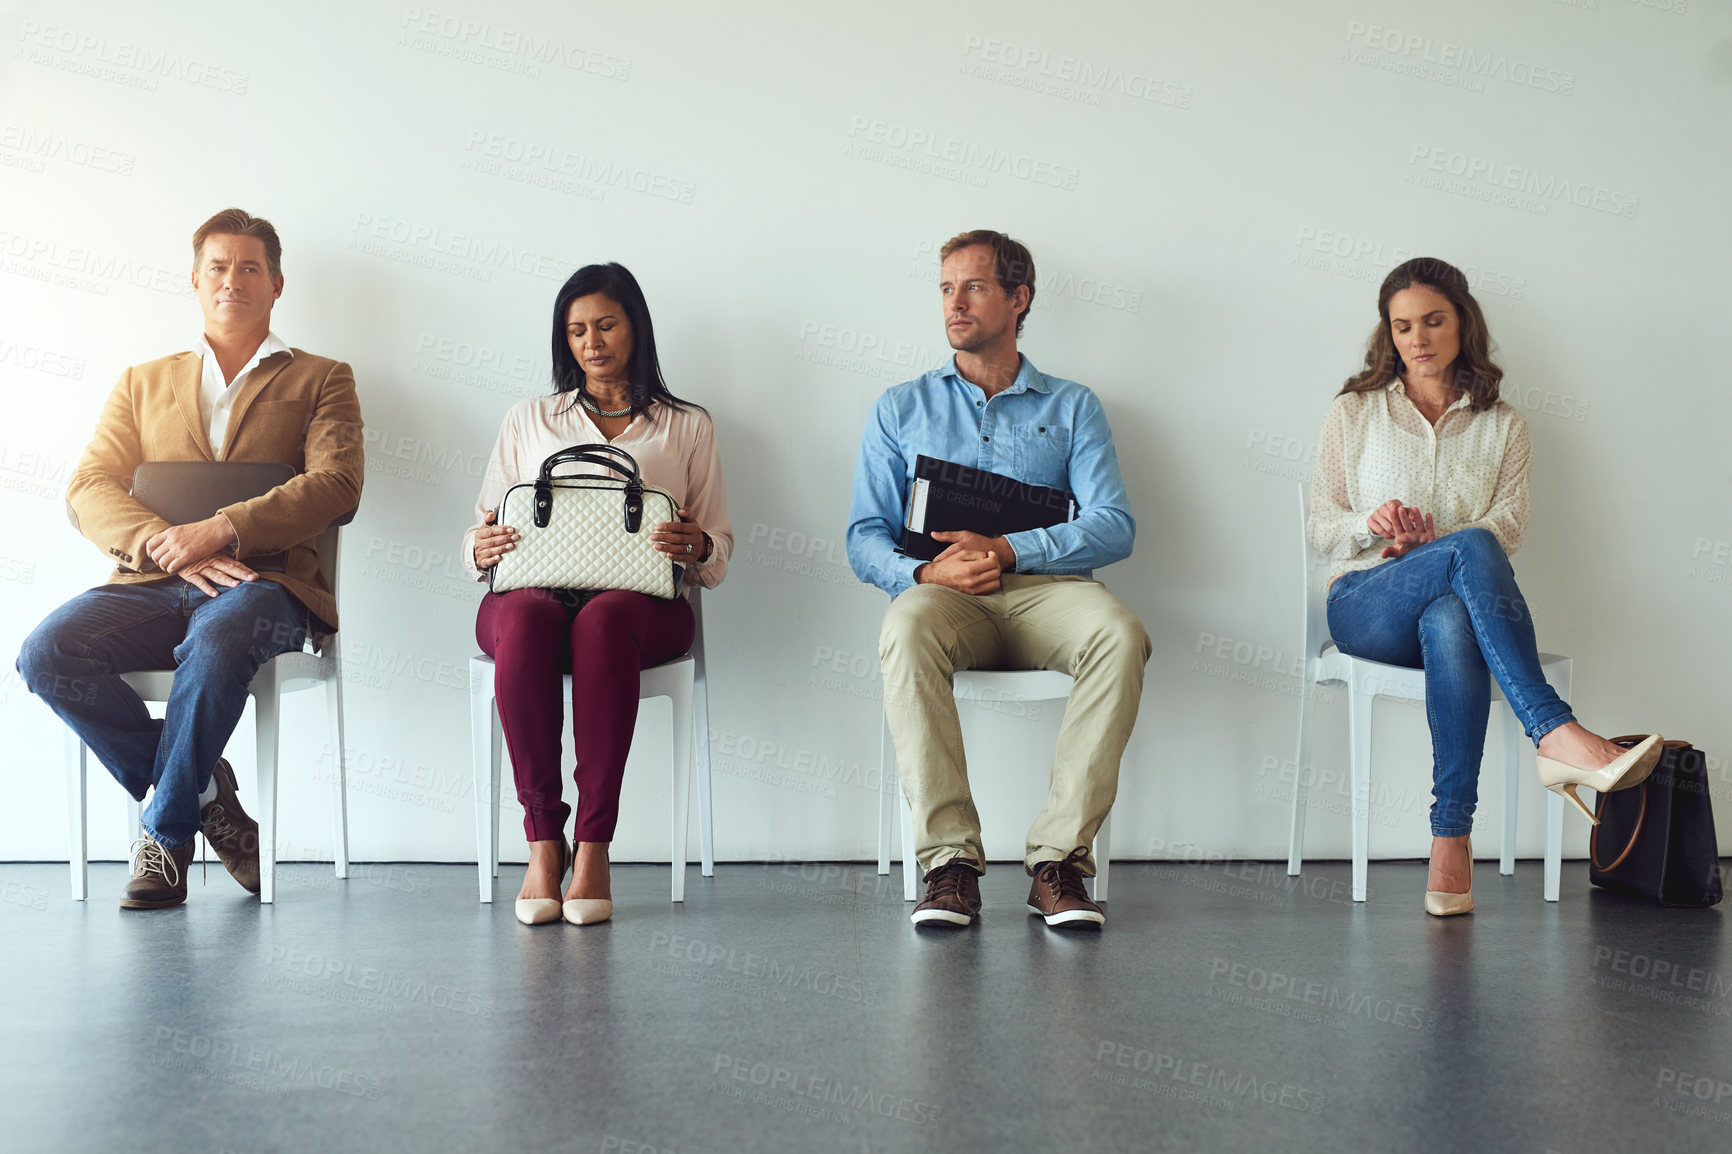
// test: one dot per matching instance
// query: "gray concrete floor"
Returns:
(789, 1007)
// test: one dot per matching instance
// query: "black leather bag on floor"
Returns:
(1657, 840)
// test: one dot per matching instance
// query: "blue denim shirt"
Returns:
(1041, 430)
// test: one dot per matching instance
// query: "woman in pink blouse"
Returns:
(1419, 497)
(608, 387)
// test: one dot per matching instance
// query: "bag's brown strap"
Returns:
(1641, 815)
(1594, 838)
(1636, 738)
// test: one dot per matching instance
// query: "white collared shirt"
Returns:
(1470, 470)
(215, 398)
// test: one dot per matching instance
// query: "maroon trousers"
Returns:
(534, 638)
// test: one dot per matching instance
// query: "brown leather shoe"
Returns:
(1058, 894)
(952, 895)
(158, 875)
(228, 830)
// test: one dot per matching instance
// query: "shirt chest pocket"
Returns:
(1041, 454)
(1465, 493)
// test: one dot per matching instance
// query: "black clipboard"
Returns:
(945, 496)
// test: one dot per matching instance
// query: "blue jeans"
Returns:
(1452, 608)
(74, 659)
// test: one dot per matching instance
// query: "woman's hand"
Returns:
(493, 542)
(682, 540)
(1412, 529)
(1384, 520)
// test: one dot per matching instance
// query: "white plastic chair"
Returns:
(284, 673)
(682, 681)
(975, 685)
(1324, 664)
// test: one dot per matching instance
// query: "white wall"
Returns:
(1210, 224)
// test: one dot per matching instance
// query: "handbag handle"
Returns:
(1628, 739)
(1594, 837)
(1635, 738)
(608, 457)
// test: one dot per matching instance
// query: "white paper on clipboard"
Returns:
(916, 517)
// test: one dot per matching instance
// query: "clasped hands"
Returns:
(1406, 528)
(195, 553)
(681, 540)
(970, 563)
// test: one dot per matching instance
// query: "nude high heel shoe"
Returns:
(586, 911)
(1632, 769)
(1441, 904)
(539, 911)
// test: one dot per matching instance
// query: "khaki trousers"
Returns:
(1071, 624)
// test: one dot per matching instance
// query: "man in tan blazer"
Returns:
(183, 597)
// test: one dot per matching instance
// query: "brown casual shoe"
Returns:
(228, 830)
(1058, 894)
(952, 895)
(158, 875)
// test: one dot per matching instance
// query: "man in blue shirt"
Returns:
(1024, 601)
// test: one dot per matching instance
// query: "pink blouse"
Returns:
(676, 452)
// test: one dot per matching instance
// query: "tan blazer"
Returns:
(298, 410)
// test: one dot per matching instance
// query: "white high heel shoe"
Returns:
(1443, 904)
(539, 911)
(588, 911)
(1632, 769)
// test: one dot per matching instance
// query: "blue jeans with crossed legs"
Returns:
(74, 659)
(1452, 608)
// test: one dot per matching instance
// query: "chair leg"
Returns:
(1301, 766)
(134, 818)
(1359, 708)
(1512, 760)
(498, 760)
(1554, 845)
(1564, 683)
(77, 815)
(334, 718)
(910, 864)
(701, 734)
(889, 794)
(484, 764)
(266, 704)
(1103, 854)
(681, 703)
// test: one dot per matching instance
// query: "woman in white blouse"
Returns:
(608, 388)
(1419, 497)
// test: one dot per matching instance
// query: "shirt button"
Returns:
(986, 438)
(979, 404)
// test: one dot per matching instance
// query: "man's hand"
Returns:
(964, 541)
(968, 571)
(1412, 529)
(217, 571)
(178, 548)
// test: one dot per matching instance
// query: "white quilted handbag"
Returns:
(590, 533)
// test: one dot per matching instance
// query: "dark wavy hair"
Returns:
(1476, 374)
(644, 370)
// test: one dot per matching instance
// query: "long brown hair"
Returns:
(1475, 373)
